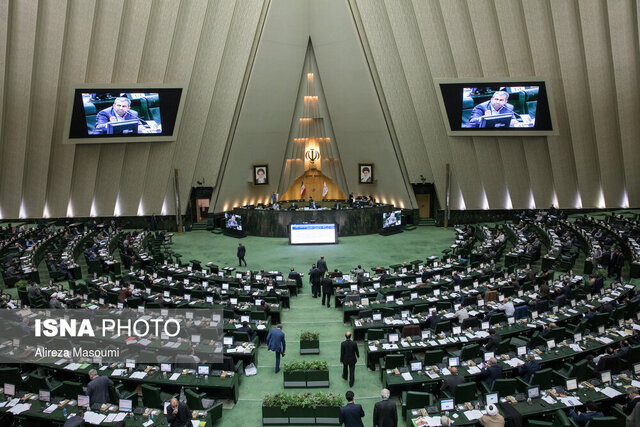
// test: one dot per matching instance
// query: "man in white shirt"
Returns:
(507, 307)
(461, 313)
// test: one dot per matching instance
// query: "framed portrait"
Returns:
(365, 171)
(260, 174)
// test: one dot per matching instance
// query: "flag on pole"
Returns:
(303, 190)
(325, 190)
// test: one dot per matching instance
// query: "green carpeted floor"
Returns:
(306, 312)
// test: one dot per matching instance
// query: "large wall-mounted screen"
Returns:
(124, 114)
(496, 107)
(232, 222)
(308, 234)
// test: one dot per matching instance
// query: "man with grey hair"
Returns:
(385, 413)
(98, 388)
(496, 105)
(120, 111)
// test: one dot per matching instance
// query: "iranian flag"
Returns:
(303, 190)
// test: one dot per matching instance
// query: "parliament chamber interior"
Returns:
(329, 212)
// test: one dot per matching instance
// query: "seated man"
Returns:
(582, 418)
(496, 105)
(120, 111)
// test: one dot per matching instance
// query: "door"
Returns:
(424, 204)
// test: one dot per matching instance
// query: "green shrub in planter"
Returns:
(309, 342)
(305, 408)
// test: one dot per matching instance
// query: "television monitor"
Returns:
(405, 314)
(130, 363)
(166, 294)
(533, 392)
(9, 389)
(83, 401)
(227, 341)
(165, 367)
(233, 301)
(391, 219)
(203, 369)
(125, 405)
(313, 234)
(44, 395)
(522, 350)
(446, 405)
(454, 361)
(492, 107)
(415, 365)
(258, 302)
(491, 398)
(551, 344)
(394, 337)
(124, 113)
(605, 376)
(577, 337)
(485, 325)
(195, 339)
(572, 384)
(232, 221)
(456, 330)
(426, 335)
(636, 368)
(488, 355)
(244, 318)
(377, 317)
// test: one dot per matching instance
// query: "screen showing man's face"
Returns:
(121, 107)
(498, 101)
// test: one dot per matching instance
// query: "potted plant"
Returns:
(304, 412)
(274, 408)
(294, 374)
(317, 374)
(309, 342)
(328, 409)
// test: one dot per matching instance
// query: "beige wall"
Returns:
(241, 63)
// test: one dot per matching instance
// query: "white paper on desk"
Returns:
(621, 333)
(372, 348)
(110, 418)
(195, 423)
(433, 375)
(102, 368)
(72, 366)
(120, 416)
(443, 342)
(50, 409)
(635, 383)
(464, 339)
(473, 313)
(174, 377)
(18, 409)
(261, 327)
(118, 372)
(148, 423)
(145, 342)
(610, 392)
(474, 414)
(404, 344)
(60, 362)
(13, 402)
(514, 362)
(474, 370)
(407, 376)
(3, 404)
(433, 343)
(575, 347)
(550, 400)
(604, 340)
(138, 375)
(570, 401)
(357, 323)
(446, 371)
(636, 327)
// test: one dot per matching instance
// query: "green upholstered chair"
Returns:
(602, 422)
(70, 389)
(374, 334)
(414, 400)
(433, 357)
(153, 397)
(194, 400)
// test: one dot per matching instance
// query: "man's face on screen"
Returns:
(498, 101)
(121, 108)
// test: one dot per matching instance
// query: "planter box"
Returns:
(327, 415)
(274, 415)
(300, 415)
(324, 415)
(318, 378)
(310, 347)
(295, 379)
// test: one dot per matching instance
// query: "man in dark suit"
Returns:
(496, 105)
(322, 265)
(312, 203)
(452, 381)
(178, 414)
(327, 289)
(527, 370)
(118, 112)
(492, 372)
(348, 357)
(76, 421)
(494, 341)
(276, 342)
(294, 275)
(385, 413)
(246, 328)
(242, 251)
(98, 388)
(315, 275)
(351, 414)
(582, 418)
(634, 399)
